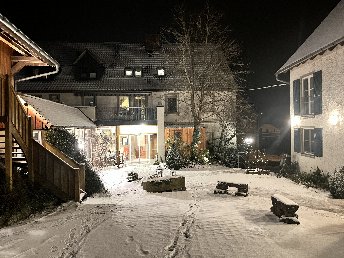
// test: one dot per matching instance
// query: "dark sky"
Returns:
(269, 31)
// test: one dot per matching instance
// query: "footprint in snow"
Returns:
(141, 251)
(129, 239)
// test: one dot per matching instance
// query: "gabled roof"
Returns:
(57, 114)
(115, 58)
(328, 34)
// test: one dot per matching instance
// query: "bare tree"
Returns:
(206, 65)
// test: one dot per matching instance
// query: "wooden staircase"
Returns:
(46, 166)
(18, 156)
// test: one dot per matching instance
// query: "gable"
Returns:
(328, 34)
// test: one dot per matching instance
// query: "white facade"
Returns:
(331, 64)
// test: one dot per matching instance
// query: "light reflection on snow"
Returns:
(37, 232)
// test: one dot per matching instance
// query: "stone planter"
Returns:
(164, 184)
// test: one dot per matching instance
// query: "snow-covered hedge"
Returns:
(337, 184)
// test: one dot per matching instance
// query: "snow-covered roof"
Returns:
(328, 34)
(57, 114)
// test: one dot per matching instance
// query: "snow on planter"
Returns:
(164, 184)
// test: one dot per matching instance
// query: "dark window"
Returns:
(312, 142)
(171, 104)
(89, 101)
(177, 135)
(54, 97)
(308, 95)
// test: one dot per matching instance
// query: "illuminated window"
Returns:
(138, 72)
(124, 102)
(161, 71)
(93, 75)
(128, 72)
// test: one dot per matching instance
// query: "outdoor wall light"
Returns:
(248, 140)
(295, 121)
(81, 145)
(334, 118)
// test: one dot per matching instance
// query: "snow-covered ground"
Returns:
(191, 223)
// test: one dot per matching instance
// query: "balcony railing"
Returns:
(125, 114)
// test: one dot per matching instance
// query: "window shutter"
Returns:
(318, 142)
(296, 91)
(297, 140)
(317, 77)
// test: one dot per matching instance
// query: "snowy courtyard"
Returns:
(193, 223)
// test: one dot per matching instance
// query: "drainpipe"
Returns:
(279, 79)
(34, 48)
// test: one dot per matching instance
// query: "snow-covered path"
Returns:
(192, 223)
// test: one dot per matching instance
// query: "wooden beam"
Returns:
(20, 65)
(12, 46)
(17, 67)
(30, 59)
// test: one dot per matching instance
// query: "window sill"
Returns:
(172, 113)
(309, 155)
(308, 116)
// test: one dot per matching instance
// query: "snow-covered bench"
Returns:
(222, 188)
(285, 209)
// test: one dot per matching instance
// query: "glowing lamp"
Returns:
(334, 118)
(248, 140)
(295, 121)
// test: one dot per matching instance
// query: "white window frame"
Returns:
(308, 141)
(307, 95)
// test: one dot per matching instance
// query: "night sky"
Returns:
(268, 31)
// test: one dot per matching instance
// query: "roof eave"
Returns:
(285, 69)
(25, 42)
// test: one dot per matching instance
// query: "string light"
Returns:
(270, 86)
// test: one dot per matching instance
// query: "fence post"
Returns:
(77, 184)
(30, 160)
(82, 176)
(8, 136)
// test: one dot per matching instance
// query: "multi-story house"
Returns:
(127, 90)
(316, 75)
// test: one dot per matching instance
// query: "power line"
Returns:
(270, 86)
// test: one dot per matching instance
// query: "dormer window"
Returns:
(161, 71)
(138, 72)
(128, 72)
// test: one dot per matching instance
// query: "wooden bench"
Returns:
(285, 209)
(222, 188)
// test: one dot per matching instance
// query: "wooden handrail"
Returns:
(64, 176)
